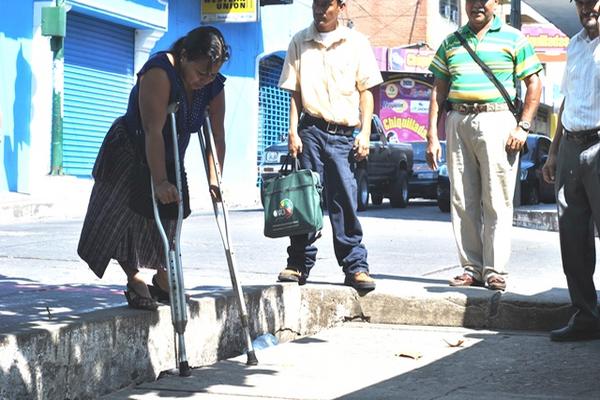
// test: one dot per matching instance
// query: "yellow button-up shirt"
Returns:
(330, 71)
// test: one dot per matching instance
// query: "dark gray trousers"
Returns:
(578, 202)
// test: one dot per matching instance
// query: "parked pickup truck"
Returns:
(388, 169)
(384, 173)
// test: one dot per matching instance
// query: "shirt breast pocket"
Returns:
(343, 72)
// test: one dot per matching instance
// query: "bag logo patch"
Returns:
(286, 209)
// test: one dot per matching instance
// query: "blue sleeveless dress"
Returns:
(189, 116)
(119, 223)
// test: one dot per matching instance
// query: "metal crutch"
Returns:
(222, 216)
(173, 258)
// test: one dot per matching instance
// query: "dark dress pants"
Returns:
(330, 156)
(578, 201)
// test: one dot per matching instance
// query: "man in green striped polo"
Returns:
(483, 137)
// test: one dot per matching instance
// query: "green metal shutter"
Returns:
(98, 78)
(273, 105)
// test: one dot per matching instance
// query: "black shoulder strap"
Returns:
(488, 72)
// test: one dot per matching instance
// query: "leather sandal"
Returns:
(158, 293)
(496, 282)
(465, 280)
(139, 302)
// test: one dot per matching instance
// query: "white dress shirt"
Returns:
(581, 84)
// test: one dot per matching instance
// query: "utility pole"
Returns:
(515, 14)
(54, 25)
(515, 22)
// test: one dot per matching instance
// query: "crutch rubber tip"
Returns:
(184, 369)
(252, 360)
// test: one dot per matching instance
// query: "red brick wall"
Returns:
(388, 23)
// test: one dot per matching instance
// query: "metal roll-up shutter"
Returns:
(273, 105)
(98, 78)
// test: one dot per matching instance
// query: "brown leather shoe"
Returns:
(465, 279)
(292, 274)
(496, 282)
(360, 281)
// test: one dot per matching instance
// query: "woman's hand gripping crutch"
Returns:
(173, 257)
(207, 143)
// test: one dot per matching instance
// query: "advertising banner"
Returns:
(550, 43)
(229, 10)
(409, 60)
(404, 108)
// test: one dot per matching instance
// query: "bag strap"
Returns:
(488, 72)
(293, 165)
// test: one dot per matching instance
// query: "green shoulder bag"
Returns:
(292, 201)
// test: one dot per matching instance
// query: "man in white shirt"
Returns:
(574, 166)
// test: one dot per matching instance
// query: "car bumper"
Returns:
(422, 188)
(269, 171)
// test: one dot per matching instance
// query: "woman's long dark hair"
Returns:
(204, 41)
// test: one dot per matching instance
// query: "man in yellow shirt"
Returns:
(329, 70)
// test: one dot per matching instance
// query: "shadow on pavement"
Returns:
(420, 211)
(26, 304)
(499, 366)
(226, 372)
(487, 309)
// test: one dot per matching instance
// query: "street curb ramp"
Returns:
(100, 352)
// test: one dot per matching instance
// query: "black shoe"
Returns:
(571, 333)
(360, 281)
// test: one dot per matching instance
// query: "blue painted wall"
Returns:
(15, 95)
(248, 42)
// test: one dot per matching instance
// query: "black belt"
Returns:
(584, 137)
(328, 127)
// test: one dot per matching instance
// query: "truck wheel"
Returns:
(399, 192)
(362, 190)
(443, 205)
(530, 196)
(376, 198)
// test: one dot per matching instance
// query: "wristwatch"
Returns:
(525, 125)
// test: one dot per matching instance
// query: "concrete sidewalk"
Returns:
(83, 356)
(367, 361)
(77, 341)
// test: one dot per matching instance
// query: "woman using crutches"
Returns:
(119, 223)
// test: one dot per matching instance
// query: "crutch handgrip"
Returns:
(173, 107)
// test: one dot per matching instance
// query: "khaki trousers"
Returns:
(482, 181)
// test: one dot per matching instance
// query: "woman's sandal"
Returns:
(137, 301)
(157, 293)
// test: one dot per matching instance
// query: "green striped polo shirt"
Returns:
(503, 48)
